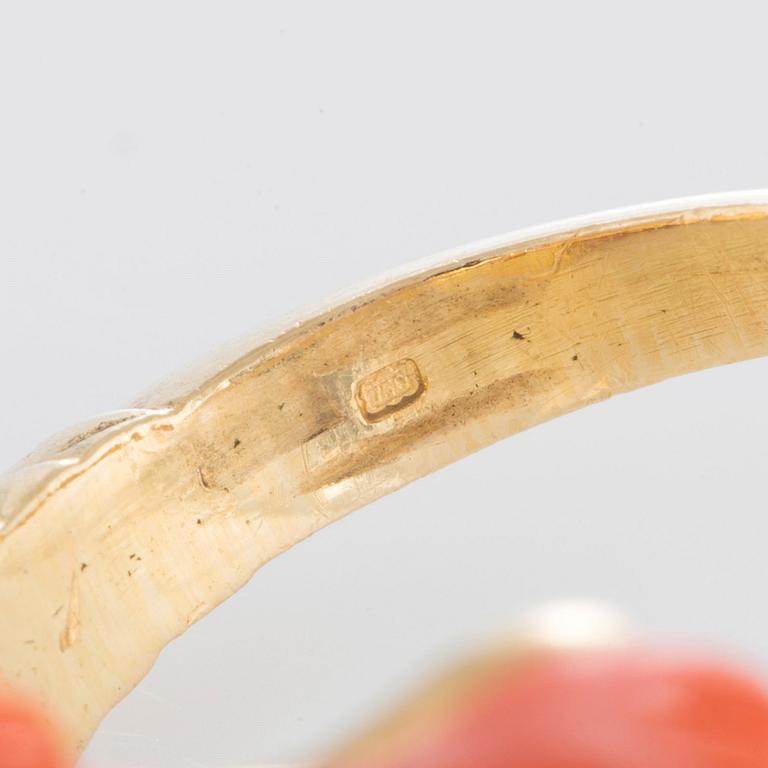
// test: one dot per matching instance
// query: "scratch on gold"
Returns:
(71, 632)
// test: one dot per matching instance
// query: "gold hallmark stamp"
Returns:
(390, 389)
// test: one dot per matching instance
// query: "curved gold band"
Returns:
(120, 535)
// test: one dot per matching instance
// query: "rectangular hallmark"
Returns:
(389, 389)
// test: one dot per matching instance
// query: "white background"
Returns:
(175, 174)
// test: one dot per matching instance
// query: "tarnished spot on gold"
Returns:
(389, 389)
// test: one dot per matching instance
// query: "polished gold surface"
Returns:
(118, 536)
